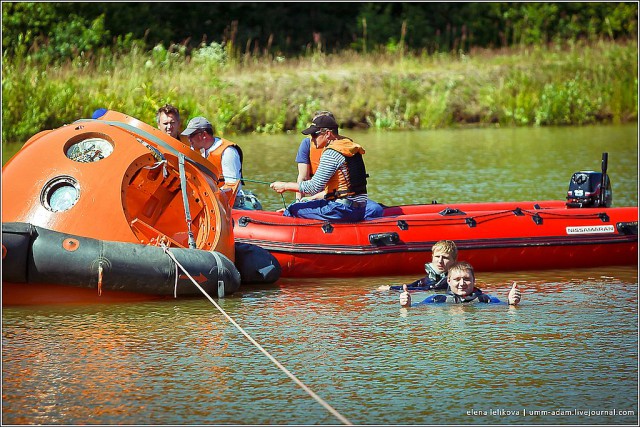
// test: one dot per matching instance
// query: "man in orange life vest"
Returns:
(308, 158)
(341, 173)
(225, 155)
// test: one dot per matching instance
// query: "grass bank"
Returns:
(544, 85)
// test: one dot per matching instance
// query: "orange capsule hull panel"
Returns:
(130, 191)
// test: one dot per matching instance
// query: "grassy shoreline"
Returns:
(541, 86)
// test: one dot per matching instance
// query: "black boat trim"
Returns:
(425, 246)
(33, 254)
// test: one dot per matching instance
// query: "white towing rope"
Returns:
(254, 342)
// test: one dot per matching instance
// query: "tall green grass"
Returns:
(574, 84)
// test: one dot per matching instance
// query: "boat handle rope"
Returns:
(255, 343)
(185, 201)
(257, 181)
(378, 222)
(446, 220)
(588, 215)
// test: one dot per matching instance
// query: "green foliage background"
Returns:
(61, 30)
(265, 67)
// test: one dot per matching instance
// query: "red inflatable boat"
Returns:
(583, 231)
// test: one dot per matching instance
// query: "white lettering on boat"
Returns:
(591, 229)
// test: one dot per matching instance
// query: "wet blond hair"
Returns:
(462, 266)
(446, 246)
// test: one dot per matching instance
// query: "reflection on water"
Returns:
(571, 345)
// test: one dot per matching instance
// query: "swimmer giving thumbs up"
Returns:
(405, 298)
(514, 295)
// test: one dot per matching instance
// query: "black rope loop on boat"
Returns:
(600, 215)
(244, 220)
(406, 223)
(378, 222)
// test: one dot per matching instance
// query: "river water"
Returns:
(567, 355)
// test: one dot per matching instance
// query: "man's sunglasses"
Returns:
(193, 135)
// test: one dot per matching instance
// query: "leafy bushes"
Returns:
(556, 85)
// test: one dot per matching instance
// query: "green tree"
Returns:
(50, 31)
(57, 31)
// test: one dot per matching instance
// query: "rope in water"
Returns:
(254, 342)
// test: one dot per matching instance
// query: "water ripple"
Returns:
(573, 342)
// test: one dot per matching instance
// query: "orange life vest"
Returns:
(314, 157)
(215, 157)
(355, 181)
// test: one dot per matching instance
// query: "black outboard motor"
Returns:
(586, 188)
